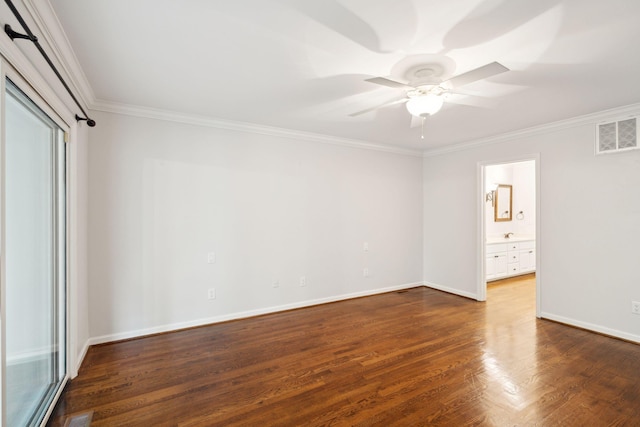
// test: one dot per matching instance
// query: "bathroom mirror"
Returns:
(502, 203)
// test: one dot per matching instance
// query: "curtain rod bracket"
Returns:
(90, 122)
(16, 35)
(30, 36)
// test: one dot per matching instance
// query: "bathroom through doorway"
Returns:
(509, 222)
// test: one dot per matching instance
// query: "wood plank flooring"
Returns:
(419, 357)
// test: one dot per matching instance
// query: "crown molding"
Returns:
(52, 32)
(18, 60)
(592, 118)
(174, 116)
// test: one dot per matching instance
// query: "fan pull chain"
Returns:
(422, 133)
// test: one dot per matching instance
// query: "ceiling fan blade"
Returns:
(386, 104)
(479, 73)
(389, 83)
(471, 101)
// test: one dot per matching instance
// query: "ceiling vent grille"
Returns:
(617, 136)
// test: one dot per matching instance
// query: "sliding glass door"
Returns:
(35, 261)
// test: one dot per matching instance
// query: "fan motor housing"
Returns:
(424, 74)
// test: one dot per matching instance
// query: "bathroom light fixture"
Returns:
(424, 105)
(491, 193)
(489, 197)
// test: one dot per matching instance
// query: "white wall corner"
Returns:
(449, 290)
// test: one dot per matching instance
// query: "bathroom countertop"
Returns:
(515, 238)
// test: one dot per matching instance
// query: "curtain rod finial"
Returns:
(90, 122)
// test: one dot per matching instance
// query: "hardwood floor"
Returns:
(419, 357)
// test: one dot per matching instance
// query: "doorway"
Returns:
(509, 231)
(34, 260)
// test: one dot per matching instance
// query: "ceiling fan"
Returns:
(427, 82)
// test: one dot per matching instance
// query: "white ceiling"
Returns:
(301, 64)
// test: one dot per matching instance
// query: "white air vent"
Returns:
(617, 136)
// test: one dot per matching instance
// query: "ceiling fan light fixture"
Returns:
(425, 105)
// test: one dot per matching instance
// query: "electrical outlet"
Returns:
(211, 293)
(276, 284)
(365, 272)
(303, 281)
(211, 258)
(365, 246)
(635, 307)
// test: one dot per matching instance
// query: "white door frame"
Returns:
(481, 248)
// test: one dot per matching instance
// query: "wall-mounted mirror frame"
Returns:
(503, 203)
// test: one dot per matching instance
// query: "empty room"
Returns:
(319, 212)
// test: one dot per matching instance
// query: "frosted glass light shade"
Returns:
(426, 105)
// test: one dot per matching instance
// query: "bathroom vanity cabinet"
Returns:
(510, 258)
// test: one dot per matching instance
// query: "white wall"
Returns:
(590, 225)
(163, 194)
(78, 180)
(524, 198)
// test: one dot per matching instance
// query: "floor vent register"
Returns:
(79, 420)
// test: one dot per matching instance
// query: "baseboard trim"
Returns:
(451, 290)
(139, 333)
(80, 358)
(592, 327)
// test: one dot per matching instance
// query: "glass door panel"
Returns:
(35, 259)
